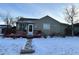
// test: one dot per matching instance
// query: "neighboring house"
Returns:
(2, 27)
(45, 24)
(76, 29)
(68, 30)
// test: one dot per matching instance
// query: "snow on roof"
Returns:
(25, 19)
(30, 20)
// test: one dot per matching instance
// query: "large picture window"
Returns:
(46, 26)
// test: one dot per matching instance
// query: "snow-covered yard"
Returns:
(56, 46)
(42, 46)
(9, 46)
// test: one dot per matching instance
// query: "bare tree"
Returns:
(8, 20)
(70, 16)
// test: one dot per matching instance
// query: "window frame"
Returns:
(46, 26)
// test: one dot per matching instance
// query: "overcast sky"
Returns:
(31, 10)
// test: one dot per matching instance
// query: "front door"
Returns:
(30, 29)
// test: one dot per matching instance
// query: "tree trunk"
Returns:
(72, 28)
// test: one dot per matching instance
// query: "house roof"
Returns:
(30, 19)
(53, 19)
(25, 19)
(49, 18)
(46, 17)
(3, 26)
(77, 24)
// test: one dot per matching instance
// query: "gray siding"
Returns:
(55, 26)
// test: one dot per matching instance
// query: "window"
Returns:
(46, 26)
(26, 27)
(30, 28)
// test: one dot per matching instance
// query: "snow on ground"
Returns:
(42, 46)
(56, 46)
(10, 46)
